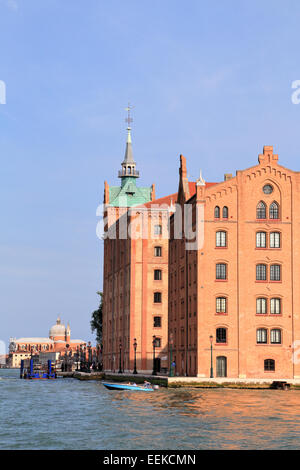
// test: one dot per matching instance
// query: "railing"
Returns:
(133, 173)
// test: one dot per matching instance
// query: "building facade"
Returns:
(218, 299)
(135, 281)
(59, 341)
(233, 300)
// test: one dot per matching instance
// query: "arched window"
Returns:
(261, 240)
(217, 212)
(221, 366)
(274, 211)
(261, 272)
(221, 239)
(269, 365)
(221, 305)
(275, 306)
(275, 336)
(261, 210)
(225, 212)
(221, 335)
(261, 336)
(261, 305)
(275, 240)
(275, 272)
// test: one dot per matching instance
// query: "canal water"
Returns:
(73, 414)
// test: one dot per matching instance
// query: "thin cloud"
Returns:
(11, 4)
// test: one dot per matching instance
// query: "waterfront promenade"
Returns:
(176, 382)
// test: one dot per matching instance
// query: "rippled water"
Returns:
(73, 414)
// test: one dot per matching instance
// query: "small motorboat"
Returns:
(129, 386)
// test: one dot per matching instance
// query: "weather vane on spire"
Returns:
(129, 119)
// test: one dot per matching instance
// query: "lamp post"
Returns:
(211, 357)
(154, 364)
(66, 365)
(120, 361)
(89, 356)
(77, 357)
(171, 373)
(134, 347)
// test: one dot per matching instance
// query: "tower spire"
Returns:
(128, 164)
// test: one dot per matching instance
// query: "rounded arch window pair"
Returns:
(261, 210)
(263, 336)
(224, 212)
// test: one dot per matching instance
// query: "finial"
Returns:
(129, 120)
(200, 180)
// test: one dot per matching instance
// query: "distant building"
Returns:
(59, 341)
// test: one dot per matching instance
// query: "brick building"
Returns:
(237, 294)
(223, 303)
(135, 281)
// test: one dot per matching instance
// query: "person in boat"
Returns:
(147, 384)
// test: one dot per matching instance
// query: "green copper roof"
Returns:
(128, 194)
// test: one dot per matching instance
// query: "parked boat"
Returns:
(147, 387)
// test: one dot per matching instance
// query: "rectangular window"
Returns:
(157, 229)
(221, 305)
(274, 240)
(275, 272)
(157, 274)
(275, 306)
(261, 272)
(221, 271)
(261, 336)
(261, 306)
(157, 251)
(157, 322)
(221, 239)
(275, 336)
(269, 365)
(157, 297)
(157, 342)
(221, 335)
(261, 240)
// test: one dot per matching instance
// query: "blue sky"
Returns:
(210, 80)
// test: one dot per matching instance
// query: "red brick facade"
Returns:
(234, 296)
(241, 286)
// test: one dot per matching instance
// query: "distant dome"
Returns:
(57, 330)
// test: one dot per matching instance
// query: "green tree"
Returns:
(96, 321)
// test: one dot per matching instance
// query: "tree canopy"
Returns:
(96, 321)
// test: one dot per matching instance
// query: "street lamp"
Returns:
(120, 362)
(66, 364)
(77, 358)
(171, 374)
(154, 363)
(211, 357)
(89, 356)
(134, 347)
